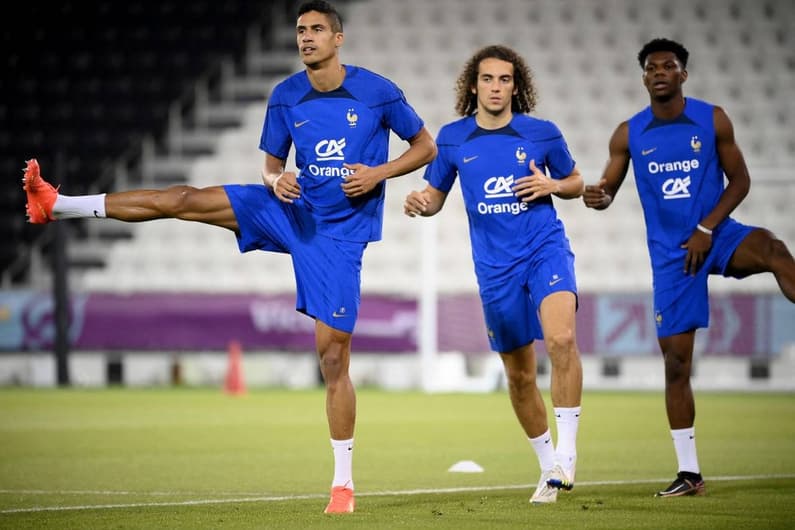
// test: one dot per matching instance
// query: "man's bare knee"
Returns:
(185, 200)
(521, 382)
(177, 201)
(677, 370)
(561, 347)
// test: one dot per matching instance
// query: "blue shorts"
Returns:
(681, 301)
(327, 271)
(511, 301)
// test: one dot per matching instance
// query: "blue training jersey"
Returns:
(348, 125)
(678, 175)
(504, 230)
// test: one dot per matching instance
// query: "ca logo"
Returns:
(497, 187)
(676, 188)
(330, 150)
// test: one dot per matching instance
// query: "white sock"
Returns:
(685, 447)
(545, 450)
(568, 421)
(67, 207)
(343, 463)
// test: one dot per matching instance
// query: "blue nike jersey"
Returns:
(328, 129)
(678, 174)
(504, 230)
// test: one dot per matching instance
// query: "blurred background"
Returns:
(111, 96)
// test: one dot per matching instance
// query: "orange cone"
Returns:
(234, 383)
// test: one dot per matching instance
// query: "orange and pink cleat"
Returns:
(341, 500)
(41, 194)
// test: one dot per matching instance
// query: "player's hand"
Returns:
(361, 180)
(286, 187)
(697, 249)
(416, 203)
(535, 185)
(596, 197)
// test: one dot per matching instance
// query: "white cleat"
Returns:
(559, 479)
(545, 494)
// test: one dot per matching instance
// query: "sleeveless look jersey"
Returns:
(680, 180)
(678, 175)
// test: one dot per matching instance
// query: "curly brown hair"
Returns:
(524, 101)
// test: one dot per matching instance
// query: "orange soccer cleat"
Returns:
(41, 195)
(341, 500)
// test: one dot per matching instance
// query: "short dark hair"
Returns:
(321, 6)
(663, 45)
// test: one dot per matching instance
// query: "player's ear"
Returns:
(339, 39)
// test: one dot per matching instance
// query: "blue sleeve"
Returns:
(276, 138)
(442, 171)
(558, 158)
(400, 116)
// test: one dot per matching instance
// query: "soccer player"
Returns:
(523, 262)
(339, 118)
(681, 148)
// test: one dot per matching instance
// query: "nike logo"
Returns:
(553, 282)
(467, 160)
(300, 123)
(96, 214)
(338, 315)
(645, 152)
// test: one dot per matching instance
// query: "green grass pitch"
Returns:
(197, 458)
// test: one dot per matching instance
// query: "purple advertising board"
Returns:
(607, 324)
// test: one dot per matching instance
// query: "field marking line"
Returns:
(386, 493)
(123, 493)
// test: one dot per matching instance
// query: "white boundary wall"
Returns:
(451, 371)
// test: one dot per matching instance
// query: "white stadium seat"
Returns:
(583, 54)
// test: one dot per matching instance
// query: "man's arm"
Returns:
(425, 203)
(733, 163)
(422, 149)
(599, 196)
(271, 169)
(283, 183)
(537, 184)
(739, 182)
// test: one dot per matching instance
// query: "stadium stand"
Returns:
(86, 85)
(583, 53)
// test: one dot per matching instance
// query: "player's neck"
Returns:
(489, 121)
(668, 109)
(327, 76)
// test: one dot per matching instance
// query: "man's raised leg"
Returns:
(206, 205)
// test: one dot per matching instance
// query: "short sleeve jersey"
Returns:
(350, 124)
(504, 230)
(678, 175)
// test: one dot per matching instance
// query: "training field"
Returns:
(197, 458)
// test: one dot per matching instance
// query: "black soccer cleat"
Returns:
(685, 484)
